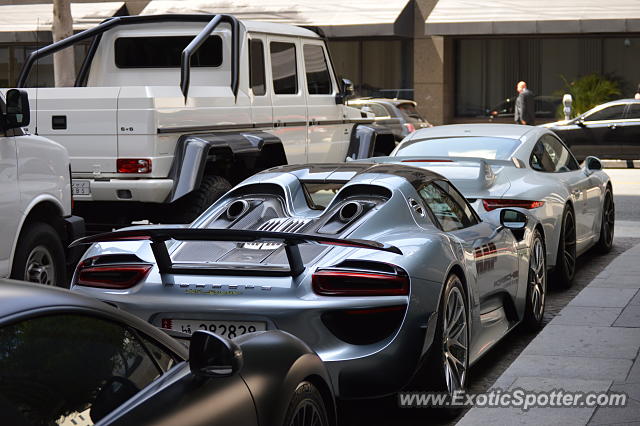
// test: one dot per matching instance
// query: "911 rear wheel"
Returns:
(566, 258)
(536, 284)
(605, 243)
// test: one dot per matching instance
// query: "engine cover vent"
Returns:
(280, 224)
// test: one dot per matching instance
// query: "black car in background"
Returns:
(546, 107)
(399, 115)
(610, 130)
(70, 360)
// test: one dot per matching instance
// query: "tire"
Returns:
(306, 407)
(444, 350)
(39, 256)
(189, 207)
(536, 284)
(605, 243)
(565, 269)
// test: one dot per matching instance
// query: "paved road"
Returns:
(626, 186)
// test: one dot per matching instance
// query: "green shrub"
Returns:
(589, 91)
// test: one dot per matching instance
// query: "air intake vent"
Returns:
(280, 224)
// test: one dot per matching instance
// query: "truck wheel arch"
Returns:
(197, 154)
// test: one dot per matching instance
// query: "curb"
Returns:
(621, 164)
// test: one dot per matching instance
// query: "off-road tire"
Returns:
(40, 238)
(306, 396)
(189, 207)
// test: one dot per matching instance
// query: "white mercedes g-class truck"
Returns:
(36, 224)
(169, 111)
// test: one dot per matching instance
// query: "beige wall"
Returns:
(432, 69)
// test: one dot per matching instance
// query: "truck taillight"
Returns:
(346, 283)
(134, 165)
(498, 203)
(112, 276)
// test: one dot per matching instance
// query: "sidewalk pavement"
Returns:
(591, 345)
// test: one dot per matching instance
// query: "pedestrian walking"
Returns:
(525, 111)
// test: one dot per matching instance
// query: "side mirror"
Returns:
(513, 219)
(211, 355)
(592, 164)
(580, 121)
(18, 113)
(347, 91)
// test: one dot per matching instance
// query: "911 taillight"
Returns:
(112, 276)
(347, 283)
(498, 203)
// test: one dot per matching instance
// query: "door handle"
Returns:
(613, 126)
(277, 123)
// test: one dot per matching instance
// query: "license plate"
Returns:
(230, 329)
(81, 187)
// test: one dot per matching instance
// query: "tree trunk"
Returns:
(64, 60)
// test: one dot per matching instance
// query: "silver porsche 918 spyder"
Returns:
(506, 165)
(384, 270)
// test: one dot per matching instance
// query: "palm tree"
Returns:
(589, 91)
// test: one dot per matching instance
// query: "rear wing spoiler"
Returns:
(158, 237)
(513, 162)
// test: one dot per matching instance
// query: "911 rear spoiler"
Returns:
(158, 237)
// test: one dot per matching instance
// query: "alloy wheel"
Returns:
(537, 280)
(455, 341)
(306, 414)
(40, 267)
(608, 220)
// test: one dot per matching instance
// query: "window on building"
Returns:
(60, 367)
(256, 67)
(284, 68)
(4, 67)
(165, 52)
(315, 64)
(613, 112)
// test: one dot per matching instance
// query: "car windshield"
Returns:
(409, 110)
(491, 148)
(320, 194)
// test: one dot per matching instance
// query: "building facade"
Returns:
(459, 59)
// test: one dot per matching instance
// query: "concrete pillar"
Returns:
(432, 69)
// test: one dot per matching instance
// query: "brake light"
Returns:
(492, 204)
(134, 165)
(347, 283)
(410, 127)
(113, 276)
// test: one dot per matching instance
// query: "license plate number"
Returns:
(230, 329)
(81, 187)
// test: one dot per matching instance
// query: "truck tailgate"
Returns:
(83, 119)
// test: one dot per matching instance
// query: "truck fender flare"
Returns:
(367, 139)
(192, 154)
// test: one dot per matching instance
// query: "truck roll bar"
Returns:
(187, 53)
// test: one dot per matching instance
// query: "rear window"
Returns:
(410, 112)
(480, 147)
(165, 52)
(320, 194)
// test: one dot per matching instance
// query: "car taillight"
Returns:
(134, 165)
(347, 283)
(113, 276)
(492, 204)
(410, 127)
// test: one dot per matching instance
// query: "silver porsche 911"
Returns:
(384, 270)
(506, 165)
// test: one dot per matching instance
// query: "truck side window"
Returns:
(318, 77)
(284, 68)
(256, 68)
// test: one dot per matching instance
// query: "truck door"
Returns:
(288, 99)
(260, 87)
(9, 194)
(328, 135)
